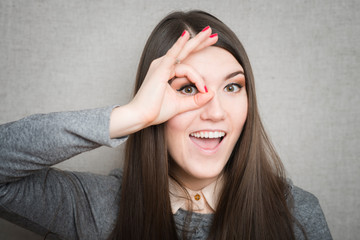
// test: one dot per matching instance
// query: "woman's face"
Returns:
(201, 141)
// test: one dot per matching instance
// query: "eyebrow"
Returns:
(231, 75)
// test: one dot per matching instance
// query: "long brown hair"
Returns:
(254, 203)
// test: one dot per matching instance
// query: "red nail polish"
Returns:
(206, 28)
(183, 33)
(213, 35)
(205, 89)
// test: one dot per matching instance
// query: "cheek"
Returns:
(172, 129)
(241, 114)
(175, 129)
(177, 134)
(237, 110)
(179, 124)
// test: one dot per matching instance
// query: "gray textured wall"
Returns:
(73, 54)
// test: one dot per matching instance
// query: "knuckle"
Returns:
(170, 55)
(152, 64)
(155, 62)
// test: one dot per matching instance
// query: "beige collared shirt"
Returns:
(203, 201)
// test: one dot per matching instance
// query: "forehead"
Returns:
(213, 61)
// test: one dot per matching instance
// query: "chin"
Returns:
(200, 173)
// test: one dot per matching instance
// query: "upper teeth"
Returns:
(207, 134)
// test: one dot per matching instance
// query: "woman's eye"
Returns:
(188, 90)
(232, 87)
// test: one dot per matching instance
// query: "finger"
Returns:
(173, 52)
(183, 70)
(208, 42)
(194, 102)
(193, 43)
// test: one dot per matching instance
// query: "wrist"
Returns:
(125, 120)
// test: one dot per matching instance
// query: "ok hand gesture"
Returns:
(156, 101)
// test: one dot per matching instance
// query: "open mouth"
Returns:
(207, 140)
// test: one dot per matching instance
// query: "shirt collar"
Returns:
(203, 201)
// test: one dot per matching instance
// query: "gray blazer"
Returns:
(78, 205)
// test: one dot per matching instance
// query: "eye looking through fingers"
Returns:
(183, 86)
(189, 89)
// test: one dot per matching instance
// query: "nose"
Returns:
(213, 110)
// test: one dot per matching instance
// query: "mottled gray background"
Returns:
(74, 54)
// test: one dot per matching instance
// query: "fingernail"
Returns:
(205, 89)
(213, 35)
(183, 33)
(206, 28)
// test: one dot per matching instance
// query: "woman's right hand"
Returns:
(156, 101)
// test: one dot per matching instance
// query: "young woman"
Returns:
(198, 162)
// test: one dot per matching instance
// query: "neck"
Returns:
(191, 182)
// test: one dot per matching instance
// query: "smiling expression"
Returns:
(201, 141)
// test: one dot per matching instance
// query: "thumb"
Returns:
(197, 101)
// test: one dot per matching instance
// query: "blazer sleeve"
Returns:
(310, 217)
(68, 205)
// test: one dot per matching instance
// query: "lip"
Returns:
(208, 151)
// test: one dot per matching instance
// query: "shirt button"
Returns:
(197, 197)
